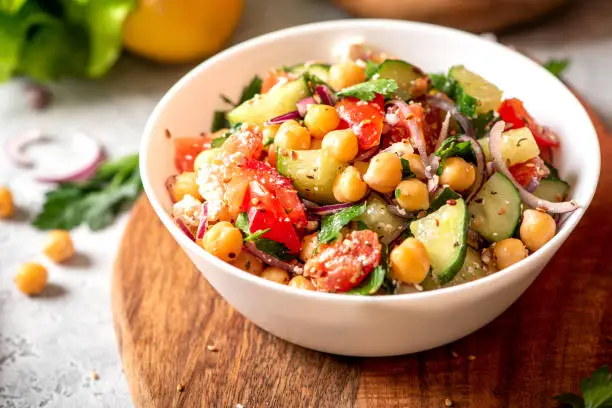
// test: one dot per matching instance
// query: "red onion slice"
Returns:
(184, 228)
(400, 212)
(330, 209)
(15, 147)
(443, 131)
(296, 268)
(481, 167)
(203, 226)
(367, 154)
(283, 118)
(302, 106)
(326, 95)
(419, 141)
(495, 143)
(309, 204)
(88, 154)
(449, 106)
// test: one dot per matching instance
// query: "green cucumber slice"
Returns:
(279, 100)
(444, 235)
(312, 173)
(378, 218)
(488, 97)
(471, 270)
(552, 190)
(403, 73)
(319, 70)
(496, 210)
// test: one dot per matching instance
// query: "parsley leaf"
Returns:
(557, 66)
(372, 283)
(218, 142)
(252, 89)
(227, 100)
(406, 172)
(95, 202)
(371, 69)
(219, 121)
(482, 123)
(596, 391)
(268, 142)
(242, 223)
(332, 224)
(361, 225)
(276, 249)
(442, 83)
(451, 147)
(466, 103)
(368, 90)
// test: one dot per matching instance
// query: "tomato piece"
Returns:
(264, 211)
(246, 140)
(530, 172)
(272, 78)
(365, 118)
(342, 265)
(513, 111)
(186, 149)
(281, 189)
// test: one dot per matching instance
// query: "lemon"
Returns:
(177, 31)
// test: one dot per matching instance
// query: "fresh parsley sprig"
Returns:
(557, 66)
(276, 249)
(332, 224)
(596, 391)
(220, 117)
(367, 90)
(372, 283)
(95, 202)
(452, 147)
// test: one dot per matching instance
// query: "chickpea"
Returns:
(269, 132)
(537, 229)
(349, 186)
(341, 144)
(508, 252)
(7, 208)
(59, 246)
(457, 174)
(249, 263)
(31, 278)
(275, 274)
(416, 165)
(223, 240)
(409, 261)
(345, 74)
(185, 184)
(412, 195)
(321, 119)
(309, 245)
(384, 172)
(301, 282)
(292, 135)
(316, 144)
(272, 155)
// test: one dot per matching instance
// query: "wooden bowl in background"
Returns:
(470, 15)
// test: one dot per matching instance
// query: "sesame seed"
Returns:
(448, 402)
(212, 347)
(180, 387)
(94, 376)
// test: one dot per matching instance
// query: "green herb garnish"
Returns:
(596, 391)
(242, 223)
(219, 121)
(557, 66)
(95, 202)
(371, 69)
(372, 283)
(367, 90)
(332, 224)
(452, 147)
(482, 124)
(406, 171)
(276, 249)
(252, 89)
(466, 103)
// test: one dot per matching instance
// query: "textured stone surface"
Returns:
(49, 345)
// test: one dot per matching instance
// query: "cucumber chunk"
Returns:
(404, 74)
(378, 218)
(488, 96)
(279, 100)
(552, 190)
(444, 234)
(496, 210)
(471, 270)
(319, 70)
(312, 172)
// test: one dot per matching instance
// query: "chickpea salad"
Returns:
(369, 177)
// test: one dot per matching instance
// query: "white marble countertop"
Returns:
(50, 344)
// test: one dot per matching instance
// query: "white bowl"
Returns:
(383, 325)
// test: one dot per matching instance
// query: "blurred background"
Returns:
(100, 66)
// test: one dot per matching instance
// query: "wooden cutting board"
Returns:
(183, 346)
